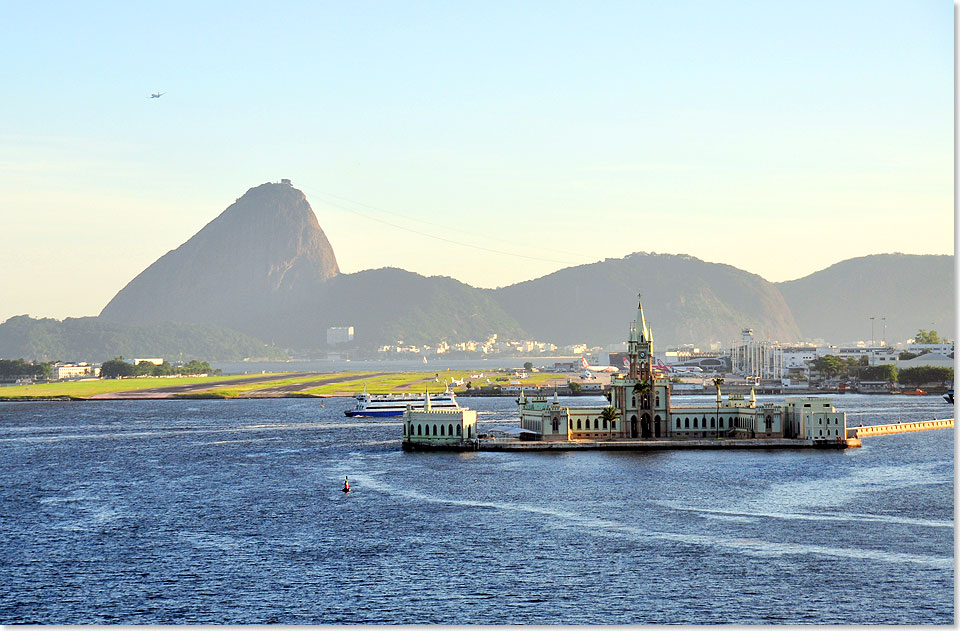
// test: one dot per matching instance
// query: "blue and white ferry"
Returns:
(396, 404)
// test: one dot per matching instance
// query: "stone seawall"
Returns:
(495, 444)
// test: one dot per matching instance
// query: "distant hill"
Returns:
(265, 268)
(390, 304)
(685, 300)
(912, 291)
(260, 258)
(97, 340)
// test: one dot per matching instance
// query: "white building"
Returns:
(438, 429)
(339, 335)
(755, 358)
(940, 349)
(814, 418)
(63, 370)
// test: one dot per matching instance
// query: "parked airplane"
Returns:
(157, 95)
(585, 366)
(677, 370)
(456, 382)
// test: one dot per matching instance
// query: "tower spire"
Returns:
(641, 321)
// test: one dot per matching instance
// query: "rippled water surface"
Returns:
(231, 512)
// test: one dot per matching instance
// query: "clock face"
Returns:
(642, 354)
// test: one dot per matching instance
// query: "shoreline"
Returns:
(179, 396)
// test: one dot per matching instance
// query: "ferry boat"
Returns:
(396, 404)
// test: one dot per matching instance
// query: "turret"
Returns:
(426, 401)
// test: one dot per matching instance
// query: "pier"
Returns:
(898, 428)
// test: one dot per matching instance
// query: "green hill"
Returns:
(911, 291)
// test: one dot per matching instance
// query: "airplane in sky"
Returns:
(157, 95)
(585, 366)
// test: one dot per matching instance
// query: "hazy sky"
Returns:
(777, 137)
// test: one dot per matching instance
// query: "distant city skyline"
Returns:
(490, 142)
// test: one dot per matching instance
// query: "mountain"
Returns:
(97, 340)
(685, 300)
(265, 267)
(259, 259)
(392, 304)
(911, 291)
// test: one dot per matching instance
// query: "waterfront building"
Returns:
(64, 370)
(438, 428)
(642, 409)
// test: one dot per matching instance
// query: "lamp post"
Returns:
(884, 340)
(872, 318)
(717, 382)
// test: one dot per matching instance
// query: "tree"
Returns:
(885, 372)
(528, 365)
(575, 387)
(116, 368)
(907, 355)
(927, 337)
(919, 375)
(609, 415)
(717, 382)
(829, 365)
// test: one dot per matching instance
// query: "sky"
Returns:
(493, 142)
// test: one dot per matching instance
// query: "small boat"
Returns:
(918, 391)
(948, 397)
(346, 485)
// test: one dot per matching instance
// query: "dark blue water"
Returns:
(231, 512)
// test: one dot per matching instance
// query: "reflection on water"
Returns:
(230, 512)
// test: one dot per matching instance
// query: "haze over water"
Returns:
(230, 512)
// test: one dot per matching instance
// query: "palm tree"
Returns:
(610, 414)
(717, 382)
(642, 388)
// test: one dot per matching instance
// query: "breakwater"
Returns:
(898, 428)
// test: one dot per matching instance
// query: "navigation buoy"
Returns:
(346, 484)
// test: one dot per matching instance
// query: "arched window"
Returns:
(596, 423)
(768, 422)
(556, 424)
(419, 430)
(604, 423)
(686, 422)
(613, 425)
(450, 430)
(434, 430)
(458, 430)
(633, 401)
(441, 430)
(678, 422)
(579, 425)
(721, 422)
(694, 422)
(658, 400)
(713, 422)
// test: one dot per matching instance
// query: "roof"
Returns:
(516, 431)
